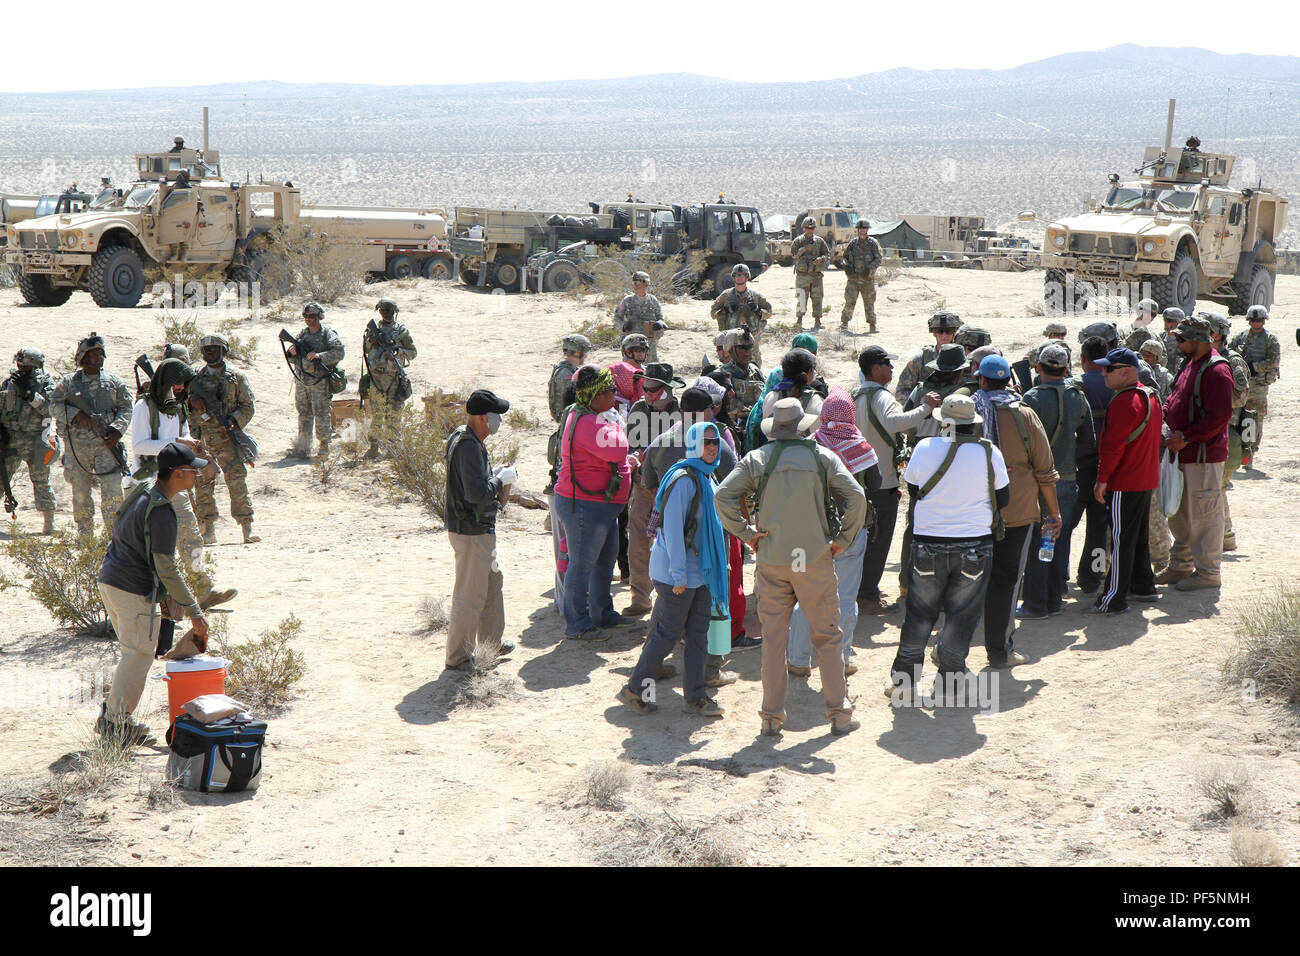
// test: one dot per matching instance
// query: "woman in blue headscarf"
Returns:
(688, 565)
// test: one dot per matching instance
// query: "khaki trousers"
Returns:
(1197, 526)
(135, 621)
(638, 545)
(478, 613)
(816, 589)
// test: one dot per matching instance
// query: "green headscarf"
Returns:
(169, 373)
(805, 340)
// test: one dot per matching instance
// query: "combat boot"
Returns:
(213, 598)
(323, 451)
(49, 522)
(208, 531)
(1230, 541)
(249, 536)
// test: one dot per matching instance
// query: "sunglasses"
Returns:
(710, 441)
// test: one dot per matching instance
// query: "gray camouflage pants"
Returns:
(83, 463)
(313, 404)
(30, 450)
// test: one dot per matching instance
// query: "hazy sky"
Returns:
(81, 45)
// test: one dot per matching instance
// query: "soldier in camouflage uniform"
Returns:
(943, 326)
(575, 349)
(322, 349)
(1263, 354)
(1108, 332)
(1053, 334)
(862, 257)
(811, 257)
(640, 312)
(25, 417)
(746, 379)
(742, 307)
(1173, 358)
(87, 455)
(383, 353)
(1139, 333)
(1220, 327)
(1152, 352)
(236, 409)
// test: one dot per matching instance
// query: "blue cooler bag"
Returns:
(221, 757)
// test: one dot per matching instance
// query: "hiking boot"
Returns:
(208, 531)
(1229, 542)
(1195, 582)
(213, 598)
(126, 733)
(1171, 576)
(633, 702)
(850, 668)
(718, 677)
(505, 648)
(703, 707)
(878, 606)
(845, 725)
(249, 536)
(636, 610)
(590, 634)
(49, 522)
(666, 672)
(872, 327)
(798, 670)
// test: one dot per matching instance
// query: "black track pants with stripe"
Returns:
(1130, 563)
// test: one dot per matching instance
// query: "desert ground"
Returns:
(1091, 758)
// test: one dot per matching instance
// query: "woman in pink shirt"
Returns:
(593, 486)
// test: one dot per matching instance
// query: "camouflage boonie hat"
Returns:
(1174, 314)
(635, 341)
(30, 356)
(972, 336)
(1193, 329)
(576, 343)
(386, 305)
(944, 320)
(1107, 331)
(92, 341)
(1054, 329)
(1257, 312)
(313, 308)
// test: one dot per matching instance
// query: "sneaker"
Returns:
(1023, 615)
(878, 606)
(633, 702)
(619, 621)
(771, 727)
(703, 707)
(590, 634)
(636, 610)
(719, 678)
(1086, 587)
(798, 670)
(845, 726)
(850, 668)
(127, 733)
(505, 648)
(1013, 659)
(1053, 611)
(1151, 598)
(666, 672)
(743, 641)
(1093, 609)
(1195, 582)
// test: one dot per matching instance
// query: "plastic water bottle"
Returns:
(1047, 548)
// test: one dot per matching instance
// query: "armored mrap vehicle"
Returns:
(1179, 229)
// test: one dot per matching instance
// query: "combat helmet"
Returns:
(1174, 314)
(640, 276)
(1053, 329)
(1149, 306)
(386, 305)
(92, 341)
(1153, 344)
(1257, 312)
(634, 341)
(740, 269)
(945, 320)
(972, 337)
(30, 356)
(172, 350)
(1218, 322)
(313, 308)
(215, 339)
(1104, 330)
(573, 342)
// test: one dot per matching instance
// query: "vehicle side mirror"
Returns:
(1027, 216)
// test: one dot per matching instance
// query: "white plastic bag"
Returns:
(1170, 492)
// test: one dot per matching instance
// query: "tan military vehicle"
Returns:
(1176, 233)
(494, 245)
(642, 219)
(179, 212)
(836, 224)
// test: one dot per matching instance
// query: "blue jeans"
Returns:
(848, 575)
(1045, 583)
(592, 530)
(948, 576)
(676, 617)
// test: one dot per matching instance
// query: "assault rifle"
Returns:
(207, 389)
(142, 364)
(373, 336)
(99, 425)
(11, 503)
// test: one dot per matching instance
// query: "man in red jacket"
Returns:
(1198, 411)
(1128, 467)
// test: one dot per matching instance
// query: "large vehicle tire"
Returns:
(505, 273)
(468, 276)
(403, 267)
(1258, 291)
(1178, 288)
(38, 290)
(439, 267)
(116, 278)
(561, 277)
(721, 277)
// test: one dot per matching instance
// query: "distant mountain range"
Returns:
(984, 142)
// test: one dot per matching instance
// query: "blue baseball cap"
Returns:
(1118, 357)
(995, 368)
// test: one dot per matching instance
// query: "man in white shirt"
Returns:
(958, 482)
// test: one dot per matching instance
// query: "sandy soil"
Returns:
(1091, 759)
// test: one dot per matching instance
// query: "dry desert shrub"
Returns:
(312, 264)
(1228, 786)
(1035, 307)
(484, 686)
(605, 783)
(61, 571)
(100, 763)
(1268, 652)
(523, 419)
(413, 447)
(601, 336)
(433, 615)
(182, 328)
(263, 672)
(888, 270)
(1252, 847)
(680, 843)
(671, 279)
